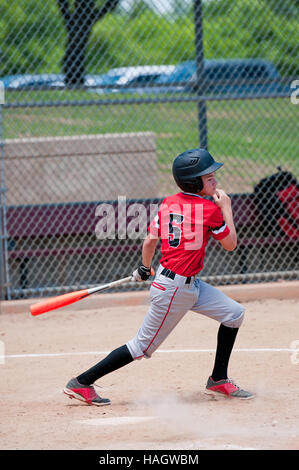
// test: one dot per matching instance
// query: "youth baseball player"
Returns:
(184, 223)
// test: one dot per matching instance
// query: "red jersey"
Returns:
(184, 223)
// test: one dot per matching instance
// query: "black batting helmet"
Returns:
(189, 166)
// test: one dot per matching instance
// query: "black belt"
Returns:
(171, 275)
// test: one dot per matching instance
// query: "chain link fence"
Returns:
(97, 98)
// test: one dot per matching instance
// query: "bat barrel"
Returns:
(57, 302)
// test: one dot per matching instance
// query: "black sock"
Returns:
(115, 360)
(225, 342)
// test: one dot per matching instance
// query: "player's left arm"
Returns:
(223, 201)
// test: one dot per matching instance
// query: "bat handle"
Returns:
(119, 282)
(92, 290)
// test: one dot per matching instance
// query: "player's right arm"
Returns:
(223, 201)
(144, 270)
(148, 249)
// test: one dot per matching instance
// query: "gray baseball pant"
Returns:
(170, 300)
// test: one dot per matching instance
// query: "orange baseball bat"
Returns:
(72, 297)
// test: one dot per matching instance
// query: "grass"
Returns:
(260, 131)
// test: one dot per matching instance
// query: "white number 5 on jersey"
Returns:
(175, 232)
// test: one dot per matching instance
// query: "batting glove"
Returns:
(142, 273)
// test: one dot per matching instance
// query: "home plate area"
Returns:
(135, 420)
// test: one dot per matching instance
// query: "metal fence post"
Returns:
(4, 275)
(199, 86)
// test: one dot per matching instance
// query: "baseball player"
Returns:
(184, 223)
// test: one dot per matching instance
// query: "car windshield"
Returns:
(182, 73)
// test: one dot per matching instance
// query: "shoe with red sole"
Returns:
(84, 393)
(226, 388)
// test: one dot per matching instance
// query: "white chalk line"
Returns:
(162, 351)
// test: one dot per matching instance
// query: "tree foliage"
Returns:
(35, 36)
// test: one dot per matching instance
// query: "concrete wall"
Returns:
(80, 168)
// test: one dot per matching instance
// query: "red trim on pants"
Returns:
(158, 286)
(162, 321)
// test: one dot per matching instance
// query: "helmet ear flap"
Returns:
(199, 183)
(193, 186)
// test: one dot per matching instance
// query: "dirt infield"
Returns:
(157, 403)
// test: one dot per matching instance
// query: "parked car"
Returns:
(134, 79)
(47, 81)
(226, 76)
(32, 81)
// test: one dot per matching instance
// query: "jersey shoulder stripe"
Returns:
(219, 229)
